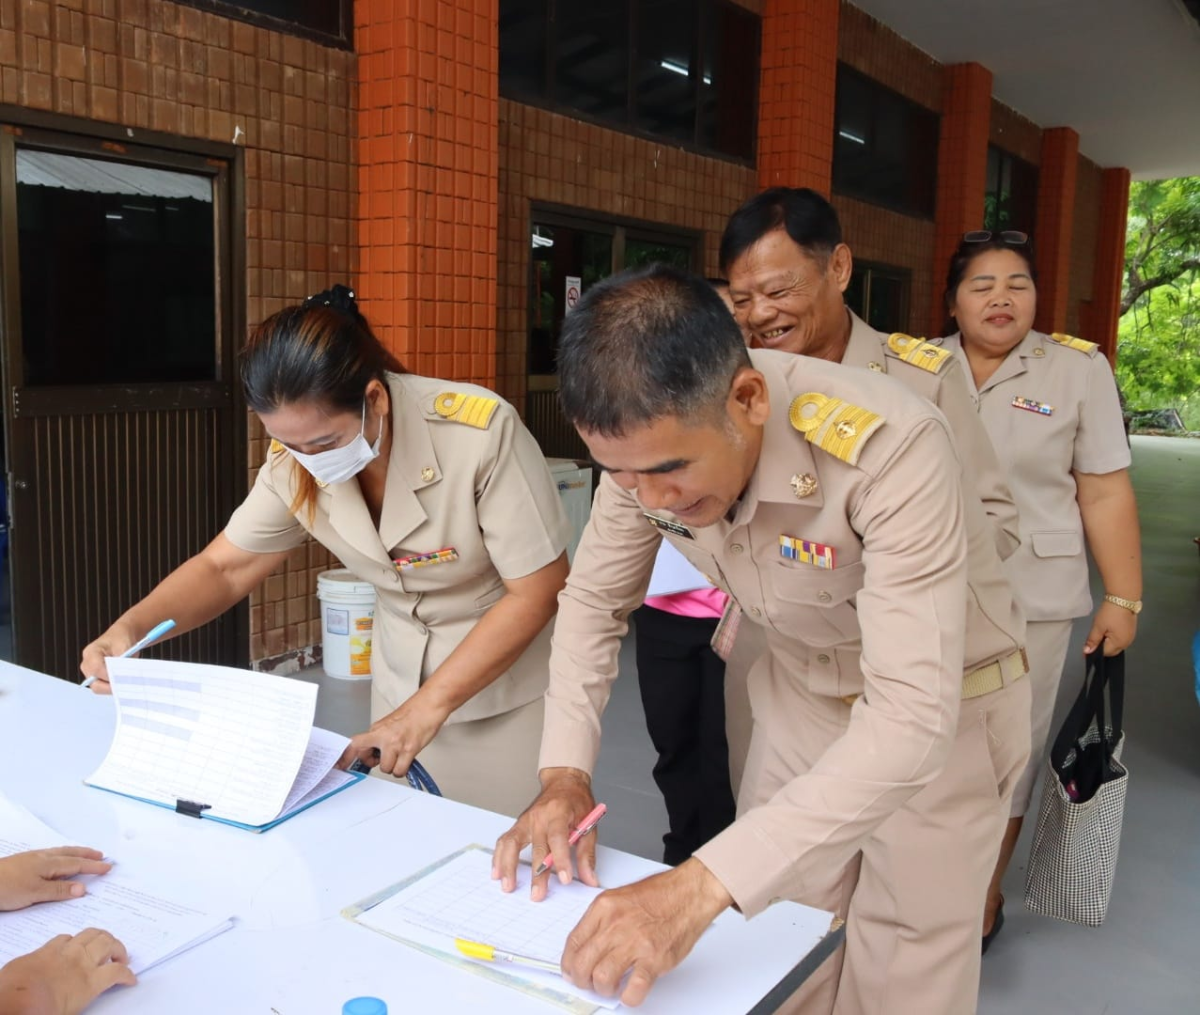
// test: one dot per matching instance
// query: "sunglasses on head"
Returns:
(1012, 237)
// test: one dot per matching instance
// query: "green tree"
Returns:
(1158, 362)
(1163, 236)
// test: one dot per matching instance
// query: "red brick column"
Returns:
(1055, 221)
(796, 93)
(1108, 275)
(962, 169)
(427, 150)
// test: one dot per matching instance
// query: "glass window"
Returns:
(591, 58)
(1010, 201)
(326, 20)
(667, 69)
(878, 293)
(560, 252)
(728, 112)
(677, 69)
(885, 146)
(118, 276)
(523, 27)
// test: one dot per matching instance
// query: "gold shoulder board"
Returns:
(275, 448)
(918, 352)
(833, 425)
(474, 410)
(1078, 344)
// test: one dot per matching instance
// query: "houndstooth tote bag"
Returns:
(1074, 856)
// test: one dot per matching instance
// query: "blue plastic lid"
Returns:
(364, 1006)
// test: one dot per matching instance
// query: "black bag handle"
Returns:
(1102, 673)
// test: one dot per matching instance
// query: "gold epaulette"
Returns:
(474, 410)
(918, 352)
(1078, 344)
(833, 425)
(275, 448)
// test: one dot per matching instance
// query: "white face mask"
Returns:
(339, 464)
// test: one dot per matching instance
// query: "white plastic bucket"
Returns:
(347, 617)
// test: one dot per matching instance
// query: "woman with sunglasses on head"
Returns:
(436, 494)
(1050, 406)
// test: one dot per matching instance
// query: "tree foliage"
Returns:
(1158, 362)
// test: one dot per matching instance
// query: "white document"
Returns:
(459, 899)
(152, 926)
(673, 572)
(239, 744)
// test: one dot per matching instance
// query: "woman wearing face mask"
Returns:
(1050, 406)
(435, 493)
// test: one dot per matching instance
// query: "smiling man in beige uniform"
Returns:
(788, 270)
(828, 502)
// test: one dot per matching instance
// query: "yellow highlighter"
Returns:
(475, 950)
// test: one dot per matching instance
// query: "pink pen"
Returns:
(585, 826)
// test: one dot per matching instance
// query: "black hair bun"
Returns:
(340, 297)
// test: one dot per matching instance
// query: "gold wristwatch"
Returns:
(1134, 606)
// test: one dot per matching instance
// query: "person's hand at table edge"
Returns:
(65, 975)
(547, 823)
(393, 741)
(643, 930)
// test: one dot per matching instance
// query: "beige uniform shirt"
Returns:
(483, 490)
(1052, 410)
(942, 380)
(916, 587)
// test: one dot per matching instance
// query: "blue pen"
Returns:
(156, 632)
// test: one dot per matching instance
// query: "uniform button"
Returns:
(736, 548)
(877, 367)
(422, 629)
(824, 597)
(395, 576)
(427, 474)
(755, 611)
(822, 658)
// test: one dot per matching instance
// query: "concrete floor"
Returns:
(1142, 961)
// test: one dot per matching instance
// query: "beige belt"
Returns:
(995, 675)
(985, 679)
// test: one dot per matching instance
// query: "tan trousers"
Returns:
(489, 763)
(748, 647)
(1046, 644)
(913, 898)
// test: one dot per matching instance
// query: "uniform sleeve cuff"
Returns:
(568, 744)
(752, 868)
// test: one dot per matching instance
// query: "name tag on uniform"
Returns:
(807, 552)
(1029, 405)
(669, 525)
(423, 559)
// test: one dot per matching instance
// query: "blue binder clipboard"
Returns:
(195, 810)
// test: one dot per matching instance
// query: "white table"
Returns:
(291, 953)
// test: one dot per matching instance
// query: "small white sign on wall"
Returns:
(574, 290)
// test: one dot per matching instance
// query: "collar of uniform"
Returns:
(866, 346)
(411, 456)
(784, 452)
(1013, 364)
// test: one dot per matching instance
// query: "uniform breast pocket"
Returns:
(1057, 543)
(816, 604)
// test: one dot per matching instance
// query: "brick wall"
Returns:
(552, 158)
(154, 65)
(1015, 134)
(1083, 248)
(873, 49)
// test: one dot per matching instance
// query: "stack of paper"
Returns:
(151, 924)
(457, 898)
(226, 744)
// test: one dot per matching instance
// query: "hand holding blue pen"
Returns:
(151, 637)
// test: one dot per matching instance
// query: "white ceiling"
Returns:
(1124, 73)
